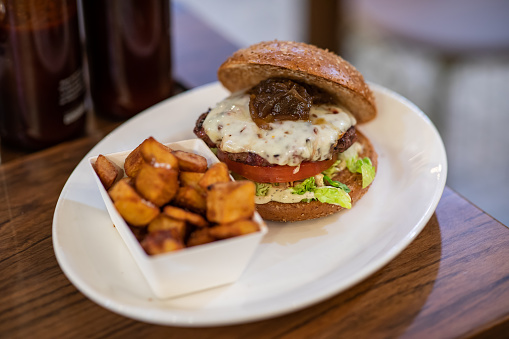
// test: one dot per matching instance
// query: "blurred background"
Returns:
(450, 57)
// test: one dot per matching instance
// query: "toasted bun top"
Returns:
(301, 62)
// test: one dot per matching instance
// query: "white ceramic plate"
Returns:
(297, 264)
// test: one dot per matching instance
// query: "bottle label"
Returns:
(71, 87)
(74, 114)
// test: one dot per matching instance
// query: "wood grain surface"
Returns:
(452, 281)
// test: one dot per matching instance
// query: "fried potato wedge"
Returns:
(181, 214)
(216, 173)
(230, 201)
(191, 179)
(157, 184)
(171, 200)
(190, 198)
(162, 241)
(136, 212)
(163, 222)
(155, 153)
(133, 162)
(234, 229)
(191, 162)
(132, 207)
(199, 237)
(107, 171)
(123, 189)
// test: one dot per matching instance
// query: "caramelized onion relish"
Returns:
(277, 99)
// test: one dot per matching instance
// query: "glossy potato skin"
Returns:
(107, 171)
(157, 184)
(130, 205)
(172, 200)
(191, 162)
(230, 201)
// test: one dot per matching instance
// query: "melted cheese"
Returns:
(230, 126)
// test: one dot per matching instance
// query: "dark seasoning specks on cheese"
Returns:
(230, 125)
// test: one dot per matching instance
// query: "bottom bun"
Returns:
(277, 211)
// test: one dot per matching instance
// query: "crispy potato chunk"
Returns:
(171, 200)
(191, 179)
(190, 198)
(131, 206)
(163, 222)
(133, 162)
(216, 173)
(190, 217)
(199, 237)
(230, 201)
(136, 212)
(107, 171)
(234, 229)
(162, 241)
(191, 162)
(157, 184)
(155, 153)
(123, 188)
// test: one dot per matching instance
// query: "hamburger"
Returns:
(290, 126)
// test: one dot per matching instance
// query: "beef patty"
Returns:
(253, 159)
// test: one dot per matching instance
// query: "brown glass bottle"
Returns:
(41, 81)
(129, 55)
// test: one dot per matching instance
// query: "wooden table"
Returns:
(452, 281)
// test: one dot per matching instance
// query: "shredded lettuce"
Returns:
(352, 164)
(333, 169)
(331, 195)
(305, 186)
(337, 194)
(368, 172)
(363, 166)
(335, 183)
(262, 189)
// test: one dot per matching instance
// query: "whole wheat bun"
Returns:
(301, 62)
(277, 211)
(314, 66)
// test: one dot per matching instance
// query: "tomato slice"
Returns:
(276, 173)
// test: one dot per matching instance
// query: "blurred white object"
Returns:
(455, 26)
